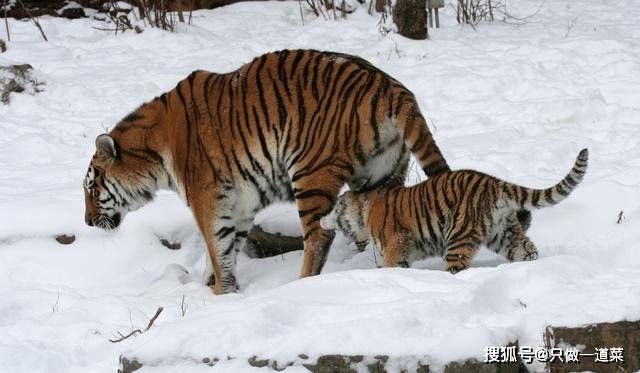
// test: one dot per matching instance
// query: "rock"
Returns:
(3, 46)
(258, 363)
(475, 366)
(65, 239)
(625, 334)
(170, 245)
(275, 366)
(128, 365)
(72, 13)
(303, 356)
(331, 364)
(377, 367)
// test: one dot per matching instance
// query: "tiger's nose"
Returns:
(89, 221)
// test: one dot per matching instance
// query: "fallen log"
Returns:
(261, 244)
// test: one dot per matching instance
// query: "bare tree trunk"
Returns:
(411, 18)
(380, 4)
(180, 15)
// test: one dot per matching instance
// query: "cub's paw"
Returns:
(533, 255)
(526, 252)
(456, 268)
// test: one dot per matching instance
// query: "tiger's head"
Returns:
(115, 184)
(348, 216)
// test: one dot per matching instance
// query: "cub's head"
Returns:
(348, 216)
(115, 184)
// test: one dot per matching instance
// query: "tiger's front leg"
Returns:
(219, 233)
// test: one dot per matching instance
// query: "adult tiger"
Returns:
(290, 125)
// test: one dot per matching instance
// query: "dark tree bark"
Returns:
(261, 244)
(411, 18)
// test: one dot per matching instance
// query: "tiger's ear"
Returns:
(105, 149)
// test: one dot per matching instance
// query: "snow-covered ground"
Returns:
(516, 101)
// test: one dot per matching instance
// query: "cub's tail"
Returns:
(538, 198)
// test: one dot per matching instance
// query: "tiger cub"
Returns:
(450, 214)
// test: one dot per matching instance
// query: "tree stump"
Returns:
(411, 18)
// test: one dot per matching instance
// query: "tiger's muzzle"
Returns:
(104, 221)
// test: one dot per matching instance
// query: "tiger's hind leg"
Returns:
(512, 242)
(524, 218)
(315, 195)
(462, 246)
(396, 249)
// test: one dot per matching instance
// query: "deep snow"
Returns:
(515, 101)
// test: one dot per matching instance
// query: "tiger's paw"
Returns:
(216, 289)
(226, 286)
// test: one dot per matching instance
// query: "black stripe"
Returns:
(224, 232)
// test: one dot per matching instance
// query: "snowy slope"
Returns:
(516, 101)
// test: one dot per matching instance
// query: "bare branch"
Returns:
(54, 308)
(138, 331)
(33, 19)
(620, 217)
(183, 306)
(153, 318)
(6, 19)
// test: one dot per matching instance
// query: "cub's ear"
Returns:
(105, 148)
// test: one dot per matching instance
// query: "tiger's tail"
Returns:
(413, 128)
(538, 198)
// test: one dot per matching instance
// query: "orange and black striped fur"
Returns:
(290, 125)
(449, 215)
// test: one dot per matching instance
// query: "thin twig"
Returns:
(6, 19)
(34, 20)
(183, 307)
(123, 337)
(54, 308)
(153, 319)
(620, 217)
(138, 331)
(570, 26)
(301, 16)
